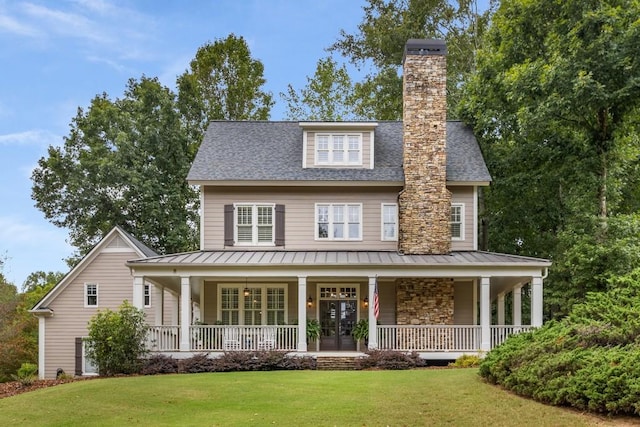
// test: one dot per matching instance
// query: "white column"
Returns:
(536, 301)
(41, 347)
(302, 313)
(501, 308)
(485, 314)
(175, 310)
(373, 322)
(185, 313)
(158, 304)
(138, 292)
(202, 299)
(517, 305)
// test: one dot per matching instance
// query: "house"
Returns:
(317, 220)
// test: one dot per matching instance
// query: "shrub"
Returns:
(197, 363)
(159, 364)
(388, 359)
(466, 361)
(26, 374)
(589, 360)
(117, 340)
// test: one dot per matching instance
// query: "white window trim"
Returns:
(146, 294)
(84, 361)
(263, 287)
(86, 295)
(254, 231)
(346, 238)
(462, 217)
(345, 149)
(382, 237)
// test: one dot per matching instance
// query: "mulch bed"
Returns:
(13, 388)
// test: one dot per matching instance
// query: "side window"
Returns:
(338, 221)
(147, 295)
(90, 294)
(457, 221)
(389, 221)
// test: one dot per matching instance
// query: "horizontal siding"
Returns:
(464, 195)
(300, 214)
(463, 303)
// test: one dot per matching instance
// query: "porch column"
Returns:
(158, 303)
(185, 313)
(501, 308)
(485, 314)
(175, 310)
(536, 301)
(517, 305)
(138, 292)
(42, 369)
(373, 321)
(302, 313)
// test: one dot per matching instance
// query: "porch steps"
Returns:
(336, 363)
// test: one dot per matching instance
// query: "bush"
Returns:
(159, 364)
(117, 340)
(589, 360)
(27, 374)
(388, 359)
(466, 361)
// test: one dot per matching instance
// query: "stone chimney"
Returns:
(425, 202)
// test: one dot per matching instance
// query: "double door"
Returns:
(337, 319)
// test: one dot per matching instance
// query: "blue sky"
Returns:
(57, 55)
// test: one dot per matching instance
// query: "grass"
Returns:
(452, 397)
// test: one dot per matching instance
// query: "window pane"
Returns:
(338, 142)
(354, 231)
(389, 231)
(354, 213)
(265, 234)
(244, 215)
(323, 231)
(245, 234)
(456, 230)
(338, 156)
(265, 215)
(322, 142)
(338, 213)
(323, 157)
(338, 231)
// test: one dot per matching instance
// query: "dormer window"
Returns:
(339, 149)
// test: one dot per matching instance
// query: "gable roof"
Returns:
(115, 236)
(272, 151)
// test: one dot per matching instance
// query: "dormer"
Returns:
(338, 145)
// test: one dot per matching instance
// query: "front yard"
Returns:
(456, 397)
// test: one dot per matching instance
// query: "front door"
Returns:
(337, 319)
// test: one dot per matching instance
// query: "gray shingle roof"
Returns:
(272, 151)
(146, 250)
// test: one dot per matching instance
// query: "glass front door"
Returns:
(337, 319)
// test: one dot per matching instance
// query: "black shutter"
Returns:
(78, 356)
(279, 240)
(228, 225)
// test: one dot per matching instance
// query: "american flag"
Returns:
(376, 302)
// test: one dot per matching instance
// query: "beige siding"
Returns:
(367, 148)
(300, 214)
(463, 303)
(387, 299)
(70, 318)
(464, 195)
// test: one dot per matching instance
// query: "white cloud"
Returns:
(17, 232)
(41, 138)
(11, 25)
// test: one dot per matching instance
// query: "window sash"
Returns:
(91, 294)
(456, 222)
(389, 221)
(338, 149)
(265, 305)
(147, 295)
(344, 221)
(254, 224)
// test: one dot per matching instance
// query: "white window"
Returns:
(457, 221)
(147, 296)
(339, 221)
(247, 305)
(338, 149)
(90, 294)
(254, 224)
(389, 221)
(89, 367)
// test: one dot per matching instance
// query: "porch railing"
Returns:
(243, 338)
(428, 338)
(500, 333)
(163, 338)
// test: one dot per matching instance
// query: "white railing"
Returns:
(429, 338)
(500, 333)
(243, 338)
(163, 338)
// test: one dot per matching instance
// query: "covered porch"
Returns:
(439, 306)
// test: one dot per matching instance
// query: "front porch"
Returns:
(431, 341)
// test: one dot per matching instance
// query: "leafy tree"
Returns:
(383, 33)
(117, 340)
(555, 104)
(124, 163)
(327, 96)
(223, 83)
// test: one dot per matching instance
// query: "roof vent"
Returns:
(425, 47)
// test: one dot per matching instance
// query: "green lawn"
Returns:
(453, 397)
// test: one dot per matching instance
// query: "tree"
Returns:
(383, 33)
(327, 96)
(555, 104)
(124, 163)
(223, 83)
(117, 340)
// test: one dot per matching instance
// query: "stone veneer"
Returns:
(425, 201)
(424, 301)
